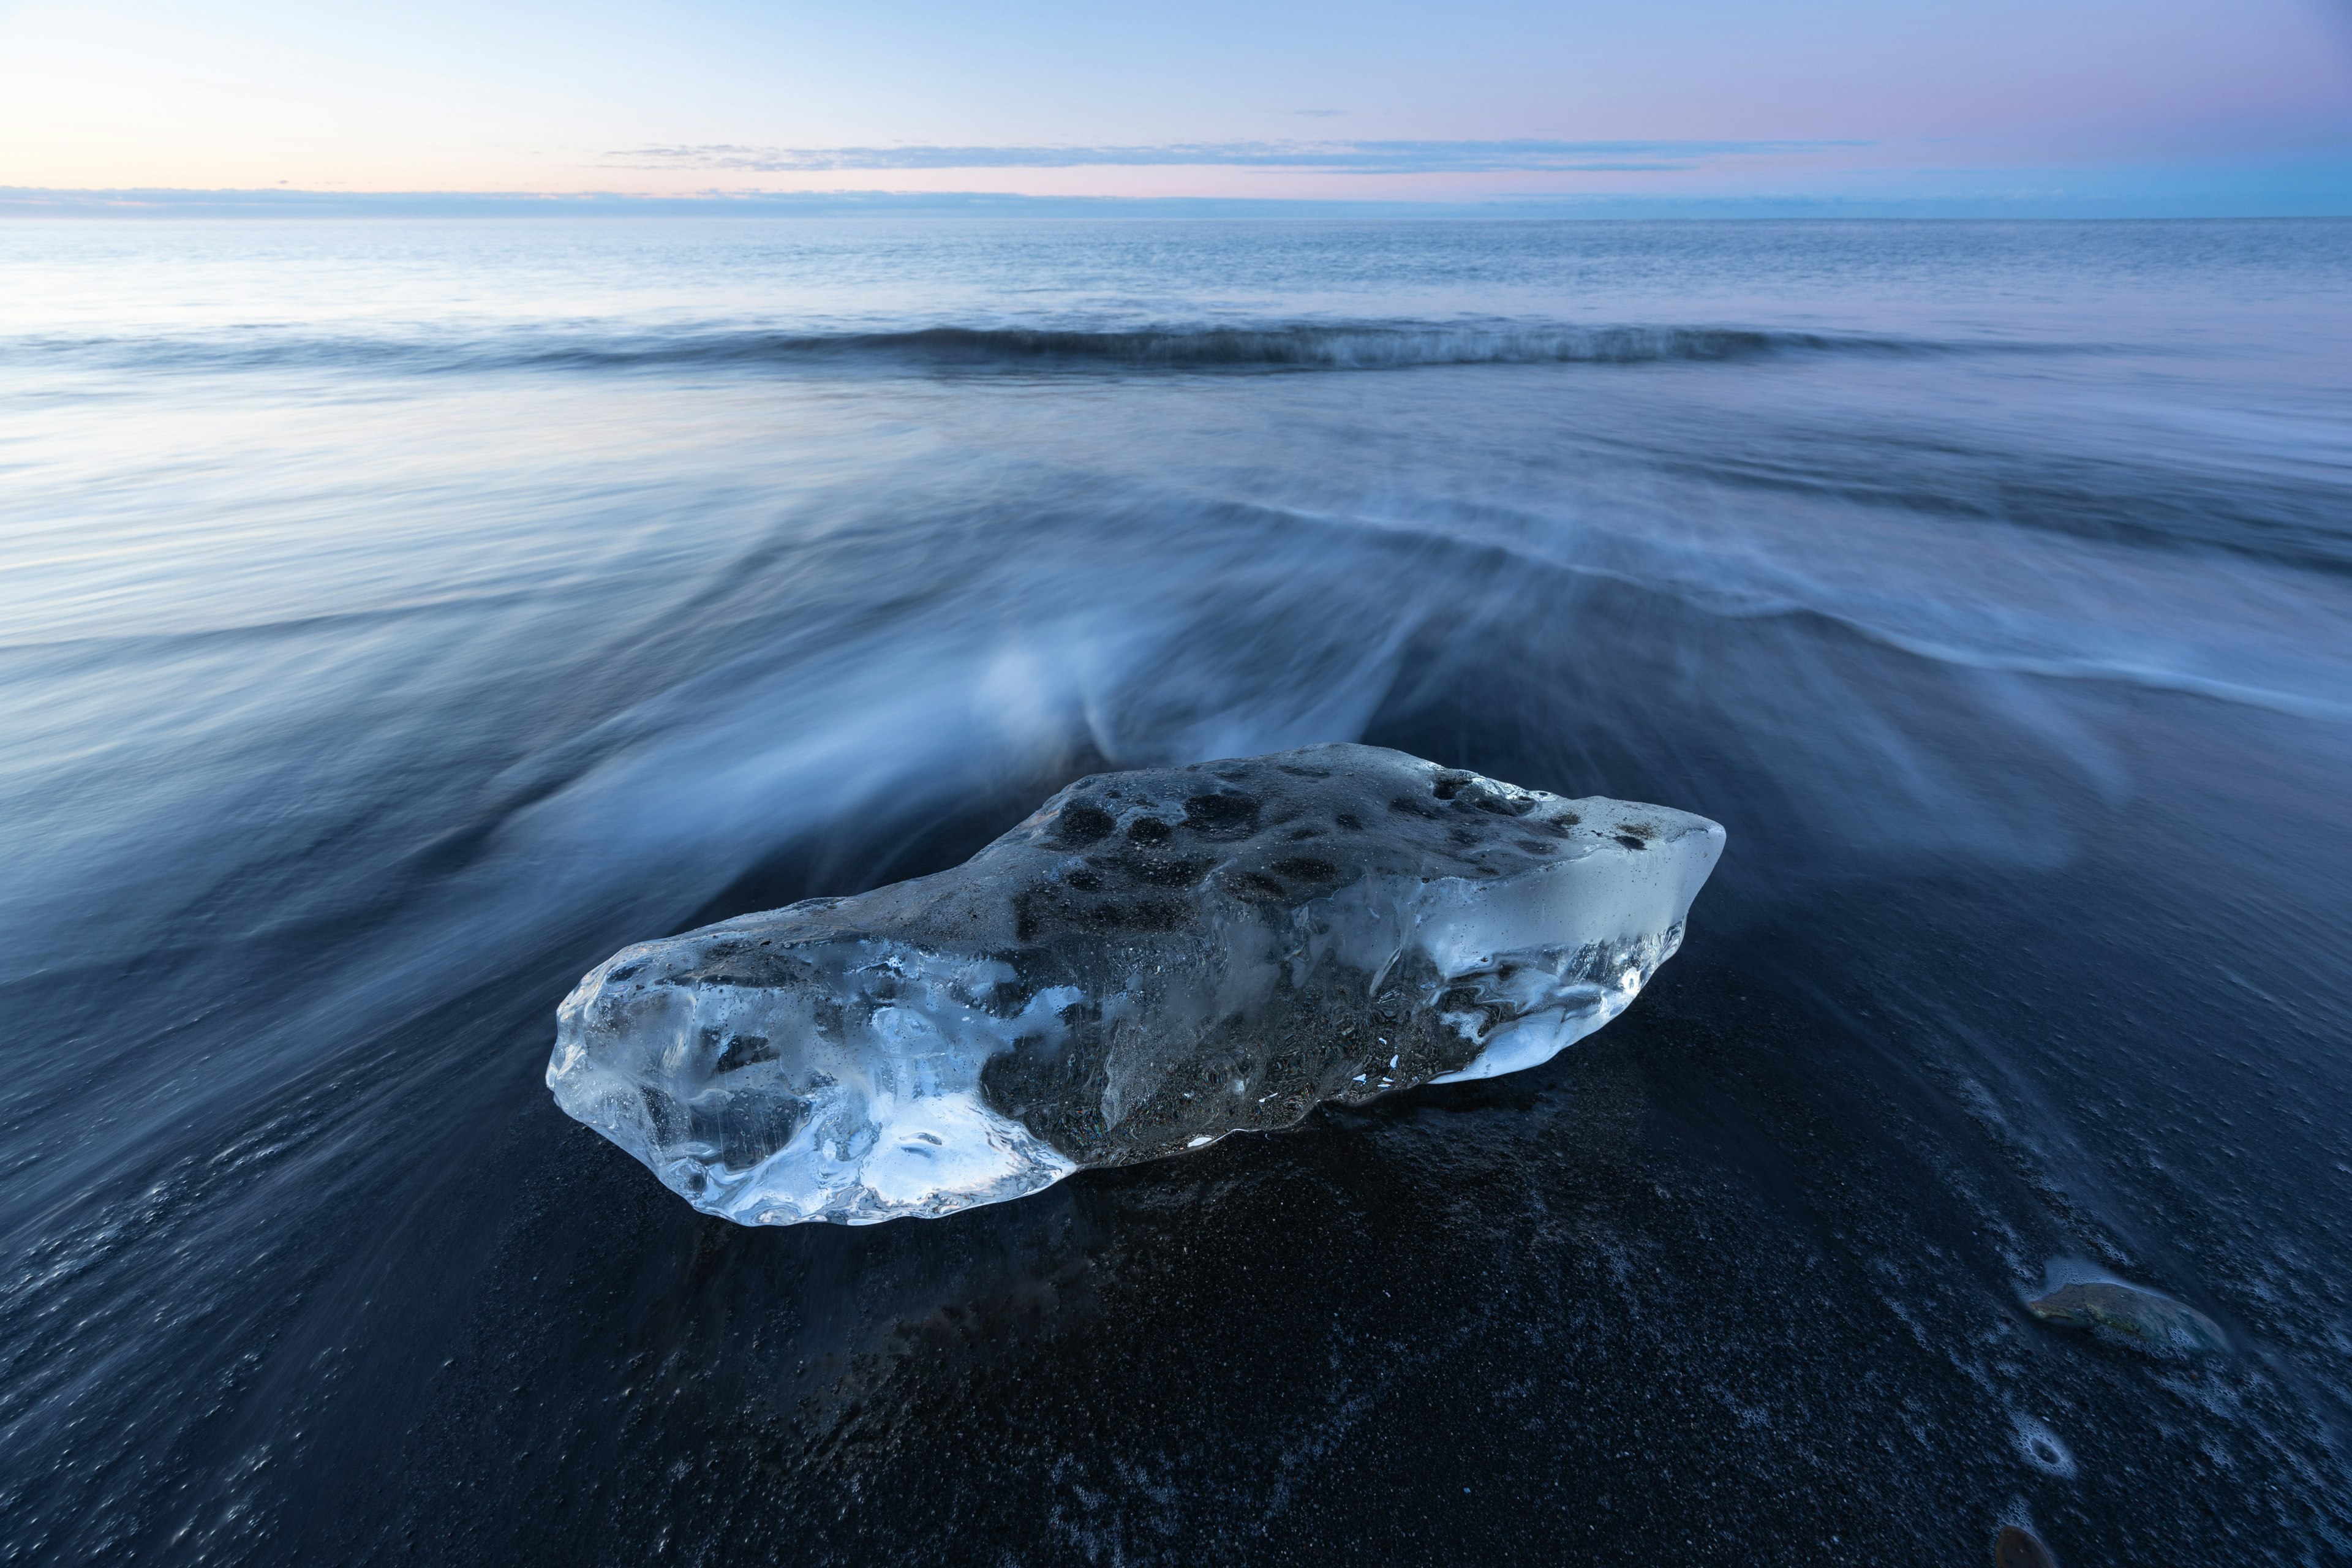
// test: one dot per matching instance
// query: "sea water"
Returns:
(397, 617)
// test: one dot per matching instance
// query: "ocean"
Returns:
(398, 617)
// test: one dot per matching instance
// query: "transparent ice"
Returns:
(1151, 961)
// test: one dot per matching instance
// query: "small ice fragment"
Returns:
(2157, 1322)
(1075, 994)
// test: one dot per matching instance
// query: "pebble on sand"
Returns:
(2019, 1548)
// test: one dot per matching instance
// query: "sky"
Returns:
(2135, 102)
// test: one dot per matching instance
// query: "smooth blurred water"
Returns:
(397, 617)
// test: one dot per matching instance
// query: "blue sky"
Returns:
(1679, 101)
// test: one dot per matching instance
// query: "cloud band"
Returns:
(1519, 156)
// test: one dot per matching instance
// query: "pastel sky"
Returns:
(1298, 99)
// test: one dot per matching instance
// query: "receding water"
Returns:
(396, 617)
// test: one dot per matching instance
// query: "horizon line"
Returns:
(166, 201)
(1393, 156)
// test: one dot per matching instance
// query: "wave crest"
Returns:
(1370, 346)
(1301, 346)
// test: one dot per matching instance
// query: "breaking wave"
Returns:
(1296, 346)
(1368, 346)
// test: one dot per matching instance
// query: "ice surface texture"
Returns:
(1153, 960)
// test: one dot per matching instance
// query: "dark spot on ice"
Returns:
(1170, 873)
(1630, 842)
(1149, 830)
(1159, 914)
(1085, 880)
(1081, 823)
(1026, 922)
(1295, 836)
(1257, 881)
(1465, 999)
(1303, 772)
(1006, 998)
(1348, 820)
(1536, 846)
(742, 1051)
(1411, 807)
(1305, 868)
(1222, 815)
(1469, 792)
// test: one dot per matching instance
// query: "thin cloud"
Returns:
(1518, 156)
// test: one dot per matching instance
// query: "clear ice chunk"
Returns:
(1152, 961)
